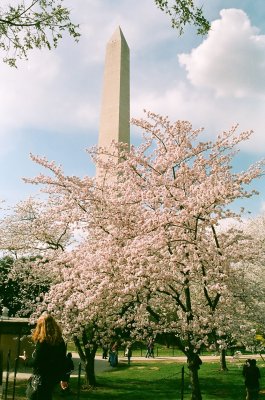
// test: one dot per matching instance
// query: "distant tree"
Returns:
(23, 284)
(32, 24)
(31, 231)
(6, 264)
(184, 12)
(30, 238)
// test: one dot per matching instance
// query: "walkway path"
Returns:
(103, 365)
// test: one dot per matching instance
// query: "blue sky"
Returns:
(50, 105)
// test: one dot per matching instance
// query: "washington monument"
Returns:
(115, 107)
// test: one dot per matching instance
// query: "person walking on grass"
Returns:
(150, 349)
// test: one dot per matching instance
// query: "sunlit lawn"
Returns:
(159, 380)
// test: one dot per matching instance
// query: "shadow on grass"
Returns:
(157, 381)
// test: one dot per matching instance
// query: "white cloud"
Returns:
(204, 111)
(224, 86)
(231, 61)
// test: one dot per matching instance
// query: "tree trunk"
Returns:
(223, 366)
(194, 367)
(90, 369)
(87, 355)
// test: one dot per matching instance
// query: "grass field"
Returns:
(159, 380)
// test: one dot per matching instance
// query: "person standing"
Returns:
(128, 353)
(252, 376)
(48, 359)
(113, 355)
(105, 350)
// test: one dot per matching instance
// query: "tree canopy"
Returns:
(33, 24)
(151, 257)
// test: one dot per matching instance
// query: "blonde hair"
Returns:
(47, 330)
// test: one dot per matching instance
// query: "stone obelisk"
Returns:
(115, 106)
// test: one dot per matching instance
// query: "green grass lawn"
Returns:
(160, 380)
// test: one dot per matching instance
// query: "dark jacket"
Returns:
(252, 376)
(49, 361)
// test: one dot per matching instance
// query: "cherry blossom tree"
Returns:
(31, 230)
(79, 303)
(29, 239)
(151, 257)
(254, 274)
(171, 195)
